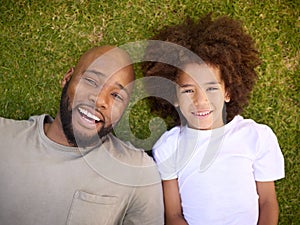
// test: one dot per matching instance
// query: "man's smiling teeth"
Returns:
(89, 115)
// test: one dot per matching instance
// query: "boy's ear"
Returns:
(227, 97)
(176, 103)
(67, 76)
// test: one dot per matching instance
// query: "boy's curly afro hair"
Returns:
(221, 42)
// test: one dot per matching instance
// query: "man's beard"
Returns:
(77, 139)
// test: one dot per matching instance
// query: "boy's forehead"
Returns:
(200, 73)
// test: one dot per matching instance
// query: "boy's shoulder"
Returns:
(168, 137)
(252, 126)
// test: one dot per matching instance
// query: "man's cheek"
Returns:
(116, 114)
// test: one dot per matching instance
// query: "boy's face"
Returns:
(201, 96)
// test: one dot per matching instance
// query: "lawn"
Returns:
(40, 40)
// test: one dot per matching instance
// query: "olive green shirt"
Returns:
(42, 182)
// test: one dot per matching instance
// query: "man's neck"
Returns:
(54, 132)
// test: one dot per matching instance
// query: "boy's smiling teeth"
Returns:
(202, 113)
(88, 115)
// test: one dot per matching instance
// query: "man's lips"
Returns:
(90, 115)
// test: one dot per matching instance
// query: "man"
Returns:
(71, 169)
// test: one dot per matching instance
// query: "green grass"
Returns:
(40, 40)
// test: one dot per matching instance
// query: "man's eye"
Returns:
(117, 96)
(91, 82)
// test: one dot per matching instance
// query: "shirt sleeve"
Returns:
(164, 153)
(269, 161)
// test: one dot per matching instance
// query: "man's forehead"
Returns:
(108, 62)
(108, 56)
(106, 65)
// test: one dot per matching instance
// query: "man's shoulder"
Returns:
(125, 164)
(13, 127)
(127, 151)
(9, 123)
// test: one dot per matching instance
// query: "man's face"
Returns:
(201, 96)
(94, 100)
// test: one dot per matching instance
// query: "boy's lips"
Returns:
(202, 113)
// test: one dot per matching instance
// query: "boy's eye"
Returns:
(212, 88)
(187, 91)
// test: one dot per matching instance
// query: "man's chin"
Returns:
(84, 140)
(87, 142)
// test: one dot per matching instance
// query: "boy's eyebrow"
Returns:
(186, 85)
(208, 83)
(213, 82)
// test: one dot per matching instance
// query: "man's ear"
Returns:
(67, 76)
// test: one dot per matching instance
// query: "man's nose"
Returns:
(100, 99)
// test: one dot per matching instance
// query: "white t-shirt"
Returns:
(217, 169)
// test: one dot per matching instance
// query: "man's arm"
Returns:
(268, 205)
(172, 201)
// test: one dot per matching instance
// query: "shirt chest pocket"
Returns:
(90, 209)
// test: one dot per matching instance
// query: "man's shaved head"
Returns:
(118, 58)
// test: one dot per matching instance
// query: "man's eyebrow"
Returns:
(95, 72)
(122, 88)
(103, 75)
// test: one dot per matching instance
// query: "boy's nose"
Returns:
(200, 98)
